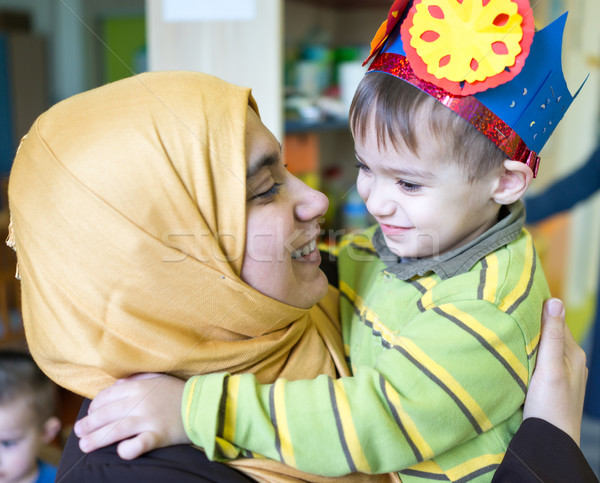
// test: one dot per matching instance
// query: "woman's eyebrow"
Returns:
(265, 161)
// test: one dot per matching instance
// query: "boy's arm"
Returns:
(560, 373)
(428, 392)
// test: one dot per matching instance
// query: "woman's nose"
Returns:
(310, 203)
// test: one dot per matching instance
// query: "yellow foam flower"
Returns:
(468, 41)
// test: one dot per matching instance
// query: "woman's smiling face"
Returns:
(281, 259)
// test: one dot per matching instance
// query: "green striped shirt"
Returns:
(440, 366)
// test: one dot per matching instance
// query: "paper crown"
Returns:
(481, 59)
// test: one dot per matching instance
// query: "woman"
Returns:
(158, 230)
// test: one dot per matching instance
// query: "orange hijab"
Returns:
(128, 207)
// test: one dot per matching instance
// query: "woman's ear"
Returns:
(513, 181)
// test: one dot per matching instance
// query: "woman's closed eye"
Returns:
(270, 193)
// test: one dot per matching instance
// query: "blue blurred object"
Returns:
(7, 149)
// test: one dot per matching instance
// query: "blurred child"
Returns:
(27, 419)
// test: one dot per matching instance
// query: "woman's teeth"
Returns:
(305, 250)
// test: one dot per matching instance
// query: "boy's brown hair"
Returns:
(397, 108)
(21, 379)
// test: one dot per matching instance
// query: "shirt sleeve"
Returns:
(429, 390)
(540, 451)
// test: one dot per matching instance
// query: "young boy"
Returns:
(27, 420)
(441, 300)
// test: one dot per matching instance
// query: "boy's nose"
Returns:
(379, 203)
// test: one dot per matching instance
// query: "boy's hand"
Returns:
(142, 411)
(557, 387)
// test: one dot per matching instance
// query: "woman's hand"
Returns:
(557, 387)
(142, 411)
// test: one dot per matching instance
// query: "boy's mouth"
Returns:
(394, 230)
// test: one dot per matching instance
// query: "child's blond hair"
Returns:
(21, 379)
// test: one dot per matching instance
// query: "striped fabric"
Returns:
(440, 369)
(464, 347)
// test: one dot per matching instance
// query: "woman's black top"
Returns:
(539, 452)
(176, 464)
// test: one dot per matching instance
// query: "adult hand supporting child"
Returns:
(557, 388)
(142, 412)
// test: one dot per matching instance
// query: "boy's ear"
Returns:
(512, 182)
(50, 429)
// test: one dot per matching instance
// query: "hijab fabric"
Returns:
(128, 207)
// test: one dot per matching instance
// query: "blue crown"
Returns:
(534, 102)
(519, 115)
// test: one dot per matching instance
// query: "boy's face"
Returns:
(425, 207)
(20, 440)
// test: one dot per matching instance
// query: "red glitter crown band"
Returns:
(468, 107)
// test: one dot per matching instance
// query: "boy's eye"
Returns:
(408, 186)
(8, 443)
(272, 191)
(362, 166)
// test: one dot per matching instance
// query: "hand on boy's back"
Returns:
(142, 412)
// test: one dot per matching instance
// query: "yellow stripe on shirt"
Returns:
(471, 468)
(342, 406)
(427, 469)
(233, 389)
(532, 346)
(524, 280)
(188, 403)
(412, 431)
(287, 450)
(491, 278)
(423, 362)
(500, 350)
(424, 286)
(461, 397)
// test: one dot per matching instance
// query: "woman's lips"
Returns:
(394, 230)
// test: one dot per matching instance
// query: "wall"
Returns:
(73, 38)
(242, 51)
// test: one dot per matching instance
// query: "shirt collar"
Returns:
(461, 260)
